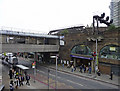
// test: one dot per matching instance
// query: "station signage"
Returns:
(81, 57)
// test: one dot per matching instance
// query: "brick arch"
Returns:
(77, 45)
(105, 44)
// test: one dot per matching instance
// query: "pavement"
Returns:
(37, 84)
(34, 84)
(102, 78)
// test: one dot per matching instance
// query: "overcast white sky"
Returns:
(45, 15)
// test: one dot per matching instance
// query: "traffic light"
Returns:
(94, 54)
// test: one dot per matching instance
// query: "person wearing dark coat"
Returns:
(27, 79)
(10, 73)
(22, 79)
(11, 85)
(111, 75)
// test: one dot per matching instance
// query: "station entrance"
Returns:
(87, 62)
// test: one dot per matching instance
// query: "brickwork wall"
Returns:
(105, 69)
(110, 37)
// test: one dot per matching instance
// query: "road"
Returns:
(65, 80)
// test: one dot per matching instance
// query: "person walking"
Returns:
(10, 73)
(111, 75)
(72, 68)
(84, 68)
(89, 70)
(98, 72)
(16, 81)
(63, 64)
(81, 68)
(27, 79)
(11, 85)
(22, 80)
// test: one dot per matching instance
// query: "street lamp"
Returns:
(56, 58)
(101, 20)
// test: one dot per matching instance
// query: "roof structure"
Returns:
(7, 32)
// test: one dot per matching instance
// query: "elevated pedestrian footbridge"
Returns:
(13, 41)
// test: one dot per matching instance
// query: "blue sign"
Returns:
(81, 57)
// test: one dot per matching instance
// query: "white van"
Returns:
(13, 60)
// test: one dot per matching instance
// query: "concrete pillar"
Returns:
(92, 65)
(46, 57)
(74, 61)
(35, 57)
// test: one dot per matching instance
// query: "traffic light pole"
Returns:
(96, 63)
(101, 19)
(96, 33)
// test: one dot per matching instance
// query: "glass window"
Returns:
(111, 52)
(81, 49)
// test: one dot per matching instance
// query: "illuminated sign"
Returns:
(81, 57)
(112, 48)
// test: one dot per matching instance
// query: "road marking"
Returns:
(74, 82)
(59, 77)
(52, 75)
(41, 71)
(80, 77)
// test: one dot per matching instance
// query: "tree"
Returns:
(111, 27)
(64, 32)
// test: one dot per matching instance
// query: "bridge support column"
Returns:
(74, 61)
(46, 57)
(35, 57)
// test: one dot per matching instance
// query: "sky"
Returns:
(42, 16)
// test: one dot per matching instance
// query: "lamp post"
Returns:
(48, 78)
(56, 73)
(101, 20)
(56, 58)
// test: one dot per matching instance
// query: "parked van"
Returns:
(13, 60)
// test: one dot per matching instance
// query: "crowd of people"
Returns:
(18, 78)
(82, 68)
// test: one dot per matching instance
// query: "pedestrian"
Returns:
(84, 69)
(10, 73)
(89, 70)
(98, 72)
(111, 75)
(22, 80)
(27, 79)
(81, 68)
(13, 72)
(11, 85)
(72, 68)
(16, 81)
(63, 64)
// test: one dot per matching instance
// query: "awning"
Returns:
(22, 67)
(81, 57)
